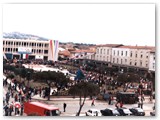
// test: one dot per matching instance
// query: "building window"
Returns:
(46, 52)
(117, 60)
(135, 64)
(16, 43)
(11, 43)
(122, 53)
(101, 51)
(130, 63)
(104, 51)
(46, 45)
(140, 63)
(121, 61)
(153, 58)
(19, 43)
(118, 53)
(114, 52)
(107, 58)
(125, 60)
(3, 42)
(16, 49)
(8, 49)
(146, 65)
(8, 43)
(113, 60)
(24, 43)
(108, 52)
(141, 56)
(126, 53)
(136, 55)
(153, 65)
(131, 54)
(147, 56)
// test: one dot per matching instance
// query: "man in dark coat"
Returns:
(64, 106)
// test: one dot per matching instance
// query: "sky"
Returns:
(128, 24)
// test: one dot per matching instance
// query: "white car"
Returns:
(93, 112)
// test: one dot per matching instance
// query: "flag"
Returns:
(79, 75)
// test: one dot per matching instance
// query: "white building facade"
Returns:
(152, 63)
(104, 52)
(131, 56)
(30, 49)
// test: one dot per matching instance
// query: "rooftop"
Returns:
(110, 45)
(137, 47)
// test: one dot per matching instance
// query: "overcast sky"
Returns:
(127, 24)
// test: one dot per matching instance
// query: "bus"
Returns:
(40, 109)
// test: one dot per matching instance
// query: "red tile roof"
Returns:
(138, 47)
(79, 51)
(65, 53)
(110, 45)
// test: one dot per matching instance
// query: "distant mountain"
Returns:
(18, 35)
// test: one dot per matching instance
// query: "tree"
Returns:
(83, 89)
(51, 77)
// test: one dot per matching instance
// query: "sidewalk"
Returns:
(57, 98)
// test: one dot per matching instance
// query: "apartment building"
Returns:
(152, 62)
(137, 56)
(128, 56)
(32, 49)
(104, 52)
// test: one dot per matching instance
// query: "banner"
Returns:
(23, 50)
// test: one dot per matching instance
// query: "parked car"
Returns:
(152, 113)
(124, 112)
(110, 112)
(93, 112)
(137, 111)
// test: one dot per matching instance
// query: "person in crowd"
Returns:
(121, 104)
(6, 109)
(92, 104)
(18, 113)
(22, 108)
(64, 106)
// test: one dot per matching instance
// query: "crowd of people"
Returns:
(20, 93)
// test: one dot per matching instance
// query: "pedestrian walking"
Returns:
(22, 108)
(16, 98)
(6, 109)
(92, 104)
(10, 110)
(109, 100)
(142, 104)
(18, 113)
(121, 104)
(64, 106)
